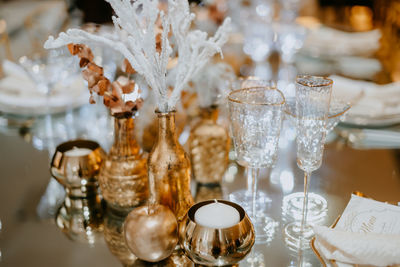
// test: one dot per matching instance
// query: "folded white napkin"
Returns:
(16, 80)
(368, 233)
(358, 248)
(325, 41)
(20, 95)
(49, 14)
(369, 99)
(357, 67)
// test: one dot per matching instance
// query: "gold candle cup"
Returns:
(213, 246)
(78, 174)
(81, 215)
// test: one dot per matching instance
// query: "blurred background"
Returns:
(44, 100)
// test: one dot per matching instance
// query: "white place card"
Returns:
(363, 215)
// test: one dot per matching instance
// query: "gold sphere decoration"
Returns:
(151, 232)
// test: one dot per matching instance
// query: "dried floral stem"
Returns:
(112, 92)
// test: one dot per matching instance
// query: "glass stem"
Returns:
(307, 176)
(252, 175)
(300, 258)
(249, 182)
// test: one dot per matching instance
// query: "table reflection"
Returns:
(115, 239)
(81, 219)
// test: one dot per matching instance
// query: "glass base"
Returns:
(245, 199)
(292, 208)
(265, 228)
(254, 259)
(297, 239)
(301, 258)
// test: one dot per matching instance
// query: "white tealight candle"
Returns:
(217, 215)
(77, 152)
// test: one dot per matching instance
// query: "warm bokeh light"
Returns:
(3, 26)
(361, 18)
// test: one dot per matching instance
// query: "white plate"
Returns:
(32, 105)
(379, 121)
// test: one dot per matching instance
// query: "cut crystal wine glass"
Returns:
(313, 96)
(256, 119)
(244, 196)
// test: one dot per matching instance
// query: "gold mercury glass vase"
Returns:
(209, 145)
(169, 168)
(123, 175)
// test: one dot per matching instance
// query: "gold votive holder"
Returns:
(216, 246)
(77, 173)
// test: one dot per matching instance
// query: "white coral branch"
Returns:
(194, 51)
(135, 24)
(213, 83)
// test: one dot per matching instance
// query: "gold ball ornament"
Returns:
(151, 233)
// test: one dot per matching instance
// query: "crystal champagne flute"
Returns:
(256, 119)
(292, 204)
(313, 95)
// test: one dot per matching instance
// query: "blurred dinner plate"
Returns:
(368, 121)
(31, 105)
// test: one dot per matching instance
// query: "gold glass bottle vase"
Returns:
(209, 145)
(123, 175)
(169, 167)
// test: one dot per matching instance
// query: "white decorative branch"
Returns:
(136, 24)
(213, 83)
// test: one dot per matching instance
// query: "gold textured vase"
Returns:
(169, 167)
(123, 175)
(209, 145)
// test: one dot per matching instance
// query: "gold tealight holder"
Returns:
(216, 246)
(76, 165)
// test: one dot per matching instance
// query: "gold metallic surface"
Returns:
(177, 259)
(115, 238)
(169, 168)
(123, 175)
(77, 174)
(216, 247)
(81, 219)
(209, 145)
(5, 40)
(151, 233)
(149, 135)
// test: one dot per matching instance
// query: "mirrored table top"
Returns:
(29, 199)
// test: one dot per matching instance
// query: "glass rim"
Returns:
(257, 104)
(256, 79)
(328, 82)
